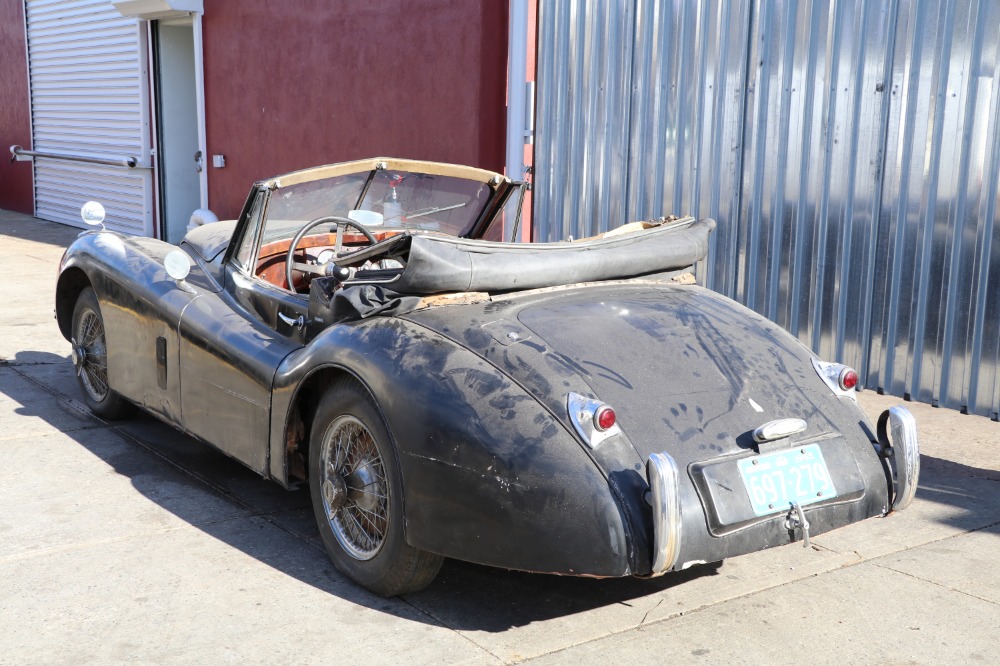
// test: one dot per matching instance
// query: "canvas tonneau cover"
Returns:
(438, 264)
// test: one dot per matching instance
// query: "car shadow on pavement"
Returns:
(464, 596)
(940, 467)
(153, 455)
(471, 597)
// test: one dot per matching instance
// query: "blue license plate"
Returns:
(775, 480)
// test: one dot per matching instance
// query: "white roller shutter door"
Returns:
(88, 98)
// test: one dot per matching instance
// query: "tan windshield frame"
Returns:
(491, 178)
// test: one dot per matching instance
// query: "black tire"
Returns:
(356, 491)
(90, 358)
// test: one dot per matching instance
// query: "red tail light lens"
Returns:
(848, 379)
(605, 418)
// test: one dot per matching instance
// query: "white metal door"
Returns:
(89, 99)
(176, 103)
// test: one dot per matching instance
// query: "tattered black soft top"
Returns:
(435, 264)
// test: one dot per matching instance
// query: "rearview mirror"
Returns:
(369, 218)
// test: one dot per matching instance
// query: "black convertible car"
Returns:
(577, 408)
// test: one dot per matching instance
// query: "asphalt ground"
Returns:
(131, 543)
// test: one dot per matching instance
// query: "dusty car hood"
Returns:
(688, 371)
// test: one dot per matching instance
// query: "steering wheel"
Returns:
(341, 223)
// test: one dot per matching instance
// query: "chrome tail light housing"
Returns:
(842, 379)
(586, 416)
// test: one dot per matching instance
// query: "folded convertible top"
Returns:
(436, 264)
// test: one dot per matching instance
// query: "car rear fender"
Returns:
(489, 475)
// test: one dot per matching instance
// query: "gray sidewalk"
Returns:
(130, 542)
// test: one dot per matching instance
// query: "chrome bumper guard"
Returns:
(664, 489)
(897, 435)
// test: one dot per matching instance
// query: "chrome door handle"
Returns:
(297, 323)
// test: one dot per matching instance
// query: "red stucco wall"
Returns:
(294, 85)
(15, 105)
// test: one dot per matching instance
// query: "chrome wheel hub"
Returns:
(334, 491)
(79, 355)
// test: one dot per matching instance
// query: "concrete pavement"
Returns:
(129, 542)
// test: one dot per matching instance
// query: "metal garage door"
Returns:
(88, 100)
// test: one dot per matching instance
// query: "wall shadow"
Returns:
(26, 227)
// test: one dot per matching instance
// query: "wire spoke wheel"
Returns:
(90, 359)
(357, 494)
(90, 354)
(354, 488)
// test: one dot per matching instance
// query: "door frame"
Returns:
(158, 230)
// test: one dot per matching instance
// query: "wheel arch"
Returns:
(71, 284)
(301, 412)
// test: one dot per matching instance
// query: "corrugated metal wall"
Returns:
(88, 98)
(850, 152)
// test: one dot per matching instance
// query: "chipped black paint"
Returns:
(680, 365)
(492, 470)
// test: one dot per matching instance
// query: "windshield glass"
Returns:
(409, 200)
(291, 207)
(405, 199)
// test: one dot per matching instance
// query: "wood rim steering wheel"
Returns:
(341, 223)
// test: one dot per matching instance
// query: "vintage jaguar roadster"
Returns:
(577, 408)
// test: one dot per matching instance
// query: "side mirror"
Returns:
(177, 264)
(93, 214)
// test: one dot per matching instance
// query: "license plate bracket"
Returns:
(774, 481)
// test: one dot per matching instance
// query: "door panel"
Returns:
(228, 360)
(274, 307)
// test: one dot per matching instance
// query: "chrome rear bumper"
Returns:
(897, 436)
(664, 487)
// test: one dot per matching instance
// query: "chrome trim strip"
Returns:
(664, 486)
(903, 451)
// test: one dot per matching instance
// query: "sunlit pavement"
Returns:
(129, 542)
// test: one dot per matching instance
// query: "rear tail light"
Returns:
(594, 420)
(848, 379)
(841, 379)
(605, 418)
